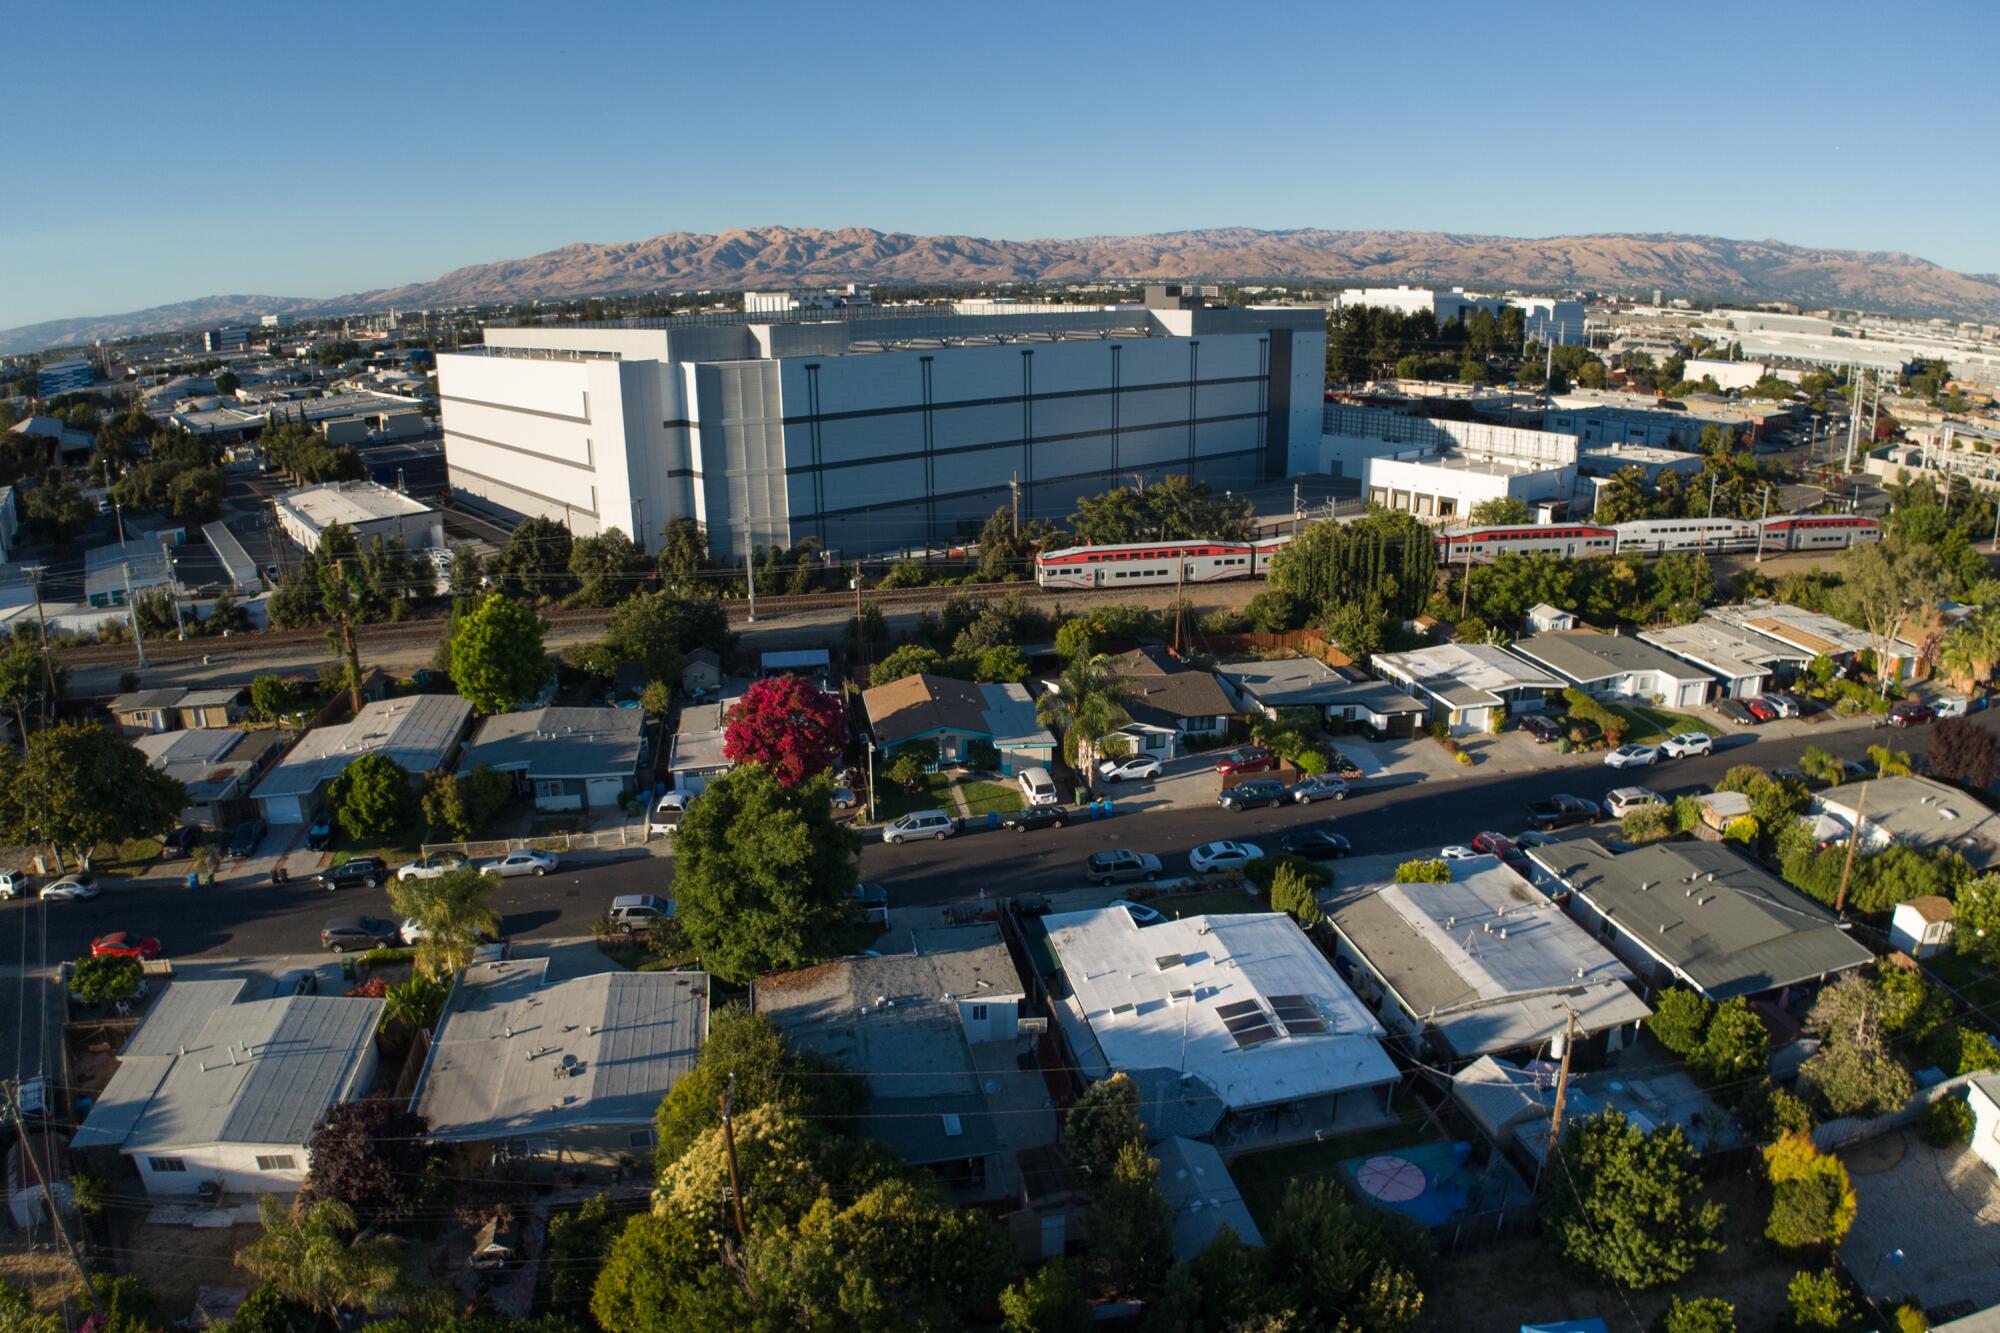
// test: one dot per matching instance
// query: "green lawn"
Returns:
(1217, 902)
(128, 859)
(1975, 981)
(1261, 1176)
(1649, 726)
(892, 801)
(990, 797)
(395, 850)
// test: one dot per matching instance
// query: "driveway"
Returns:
(1928, 1224)
(1190, 780)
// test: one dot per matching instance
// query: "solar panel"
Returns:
(1238, 1007)
(1304, 1027)
(1241, 1021)
(1255, 1035)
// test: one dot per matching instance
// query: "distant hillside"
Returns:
(1705, 267)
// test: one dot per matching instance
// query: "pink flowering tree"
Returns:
(788, 726)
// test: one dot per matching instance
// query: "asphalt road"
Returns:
(263, 920)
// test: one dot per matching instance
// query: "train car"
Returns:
(1659, 536)
(1819, 532)
(1262, 552)
(1457, 545)
(1139, 564)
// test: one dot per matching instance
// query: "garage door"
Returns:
(603, 791)
(282, 810)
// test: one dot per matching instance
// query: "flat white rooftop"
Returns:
(351, 503)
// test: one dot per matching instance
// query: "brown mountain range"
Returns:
(1702, 267)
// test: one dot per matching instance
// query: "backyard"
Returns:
(1261, 1177)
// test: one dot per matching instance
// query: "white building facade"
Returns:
(876, 428)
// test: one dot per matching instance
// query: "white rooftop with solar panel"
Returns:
(1244, 1002)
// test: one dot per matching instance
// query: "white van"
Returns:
(1037, 787)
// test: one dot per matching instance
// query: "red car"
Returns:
(1762, 711)
(1249, 759)
(1910, 714)
(124, 944)
(1497, 844)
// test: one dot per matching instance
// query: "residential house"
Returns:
(1484, 965)
(1203, 1196)
(1615, 666)
(1815, 634)
(954, 715)
(560, 1073)
(1744, 663)
(567, 758)
(1170, 702)
(1339, 697)
(1545, 619)
(936, 1034)
(1470, 687)
(219, 767)
(1513, 1105)
(814, 664)
(1983, 1096)
(1921, 926)
(1219, 1020)
(694, 756)
(223, 707)
(419, 731)
(1701, 915)
(701, 672)
(148, 710)
(213, 1090)
(1912, 811)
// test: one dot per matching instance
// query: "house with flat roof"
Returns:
(1217, 1019)
(1620, 667)
(1701, 915)
(560, 1073)
(114, 574)
(1466, 685)
(1743, 663)
(694, 755)
(936, 1035)
(1813, 633)
(566, 758)
(215, 1089)
(1911, 811)
(955, 715)
(218, 766)
(366, 509)
(419, 731)
(1337, 696)
(1170, 701)
(1484, 965)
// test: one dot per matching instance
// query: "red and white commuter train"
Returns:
(1143, 563)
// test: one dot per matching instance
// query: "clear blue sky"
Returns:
(174, 151)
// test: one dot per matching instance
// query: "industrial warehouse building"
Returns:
(365, 509)
(875, 428)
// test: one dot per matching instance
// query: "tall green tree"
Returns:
(657, 629)
(78, 787)
(373, 798)
(535, 561)
(1628, 1205)
(763, 876)
(1131, 1222)
(684, 557)
(26, 681)
(497, 659)
(607, 568)
(307, 1254)
(768, 1071)
(1050, 1300)
(1087, 709)
(1336, 1265)
(1104, 1120)
(455, 914)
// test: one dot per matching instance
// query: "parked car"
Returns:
(1687, 744)
(1324, 787)
(13, 883)
(1315, 844)
(1458, 851)
(843, 798)
(410, 932)
(871, 904)
(359, 932)
(1632, 756)
(70, 888)
(1256, 792)
(1120, 866)
(1036, 816)
(1140, 913)
(182, 841)
(1223, 856)
(920, 824)
(1498, 844)
(527, 861)
(1623, 800)
(243, 839)
(1761, 710)
(1786, 705)
(363, 872)
(1543, 729)
(1132, 766)
(668, 812)
(1737, 711)
(124, 944)
(1536, 838)
(432, 866)
(1911, 714)
(1561, 811)
(639, 912)
(322, 833)
(1249, 759)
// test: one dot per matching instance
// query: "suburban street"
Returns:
(1404, 813)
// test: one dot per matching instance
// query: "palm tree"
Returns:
(453, 912)
(1971, 648)
(1822, 767)
(1087, 709)
(305, 1253)
(1889, 763)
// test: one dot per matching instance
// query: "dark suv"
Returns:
(363, 872)
(359, 932)
(1543, 729)
(1257, 791)
(1034, 817)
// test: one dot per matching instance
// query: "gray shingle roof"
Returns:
(1742, 932)
(1166, 691)
(1586, 655)
(550, 743)
(417, 731)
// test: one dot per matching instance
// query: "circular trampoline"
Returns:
(1391, 1179)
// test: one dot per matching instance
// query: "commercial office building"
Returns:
(872, 428)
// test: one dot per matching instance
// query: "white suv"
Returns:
(920, 824)
(1688, 743)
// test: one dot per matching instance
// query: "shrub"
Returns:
(1460, 755)
(1431, 870)
(907, 772)
(1742, 829)
(1909, 1319)
(1310, 762)
(1263, 872)
(1644, 823)
(1291, 893)
(1946, 1122)
(1687, 813)
(105, 980)
(1679, 1019)
(1704, 1314)
(1819, 1302)
(1812, 1200)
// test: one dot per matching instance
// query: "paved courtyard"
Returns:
(1941, 1209)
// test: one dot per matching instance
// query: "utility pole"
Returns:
(349, 649)
(132, 609)
(1853, 836)
(1015, 486)
(639, 522)
(48, 668)
(1295, 507)
(118, 514)
(1562, 1079)
(1760, 522)
(750, 574)
(48, 1195)
(729, 1140)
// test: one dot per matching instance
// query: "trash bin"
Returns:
(193, 880)
(282, 875)
(992, 821)
(1108, 811)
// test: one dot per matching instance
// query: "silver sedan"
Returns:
(524, 862)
